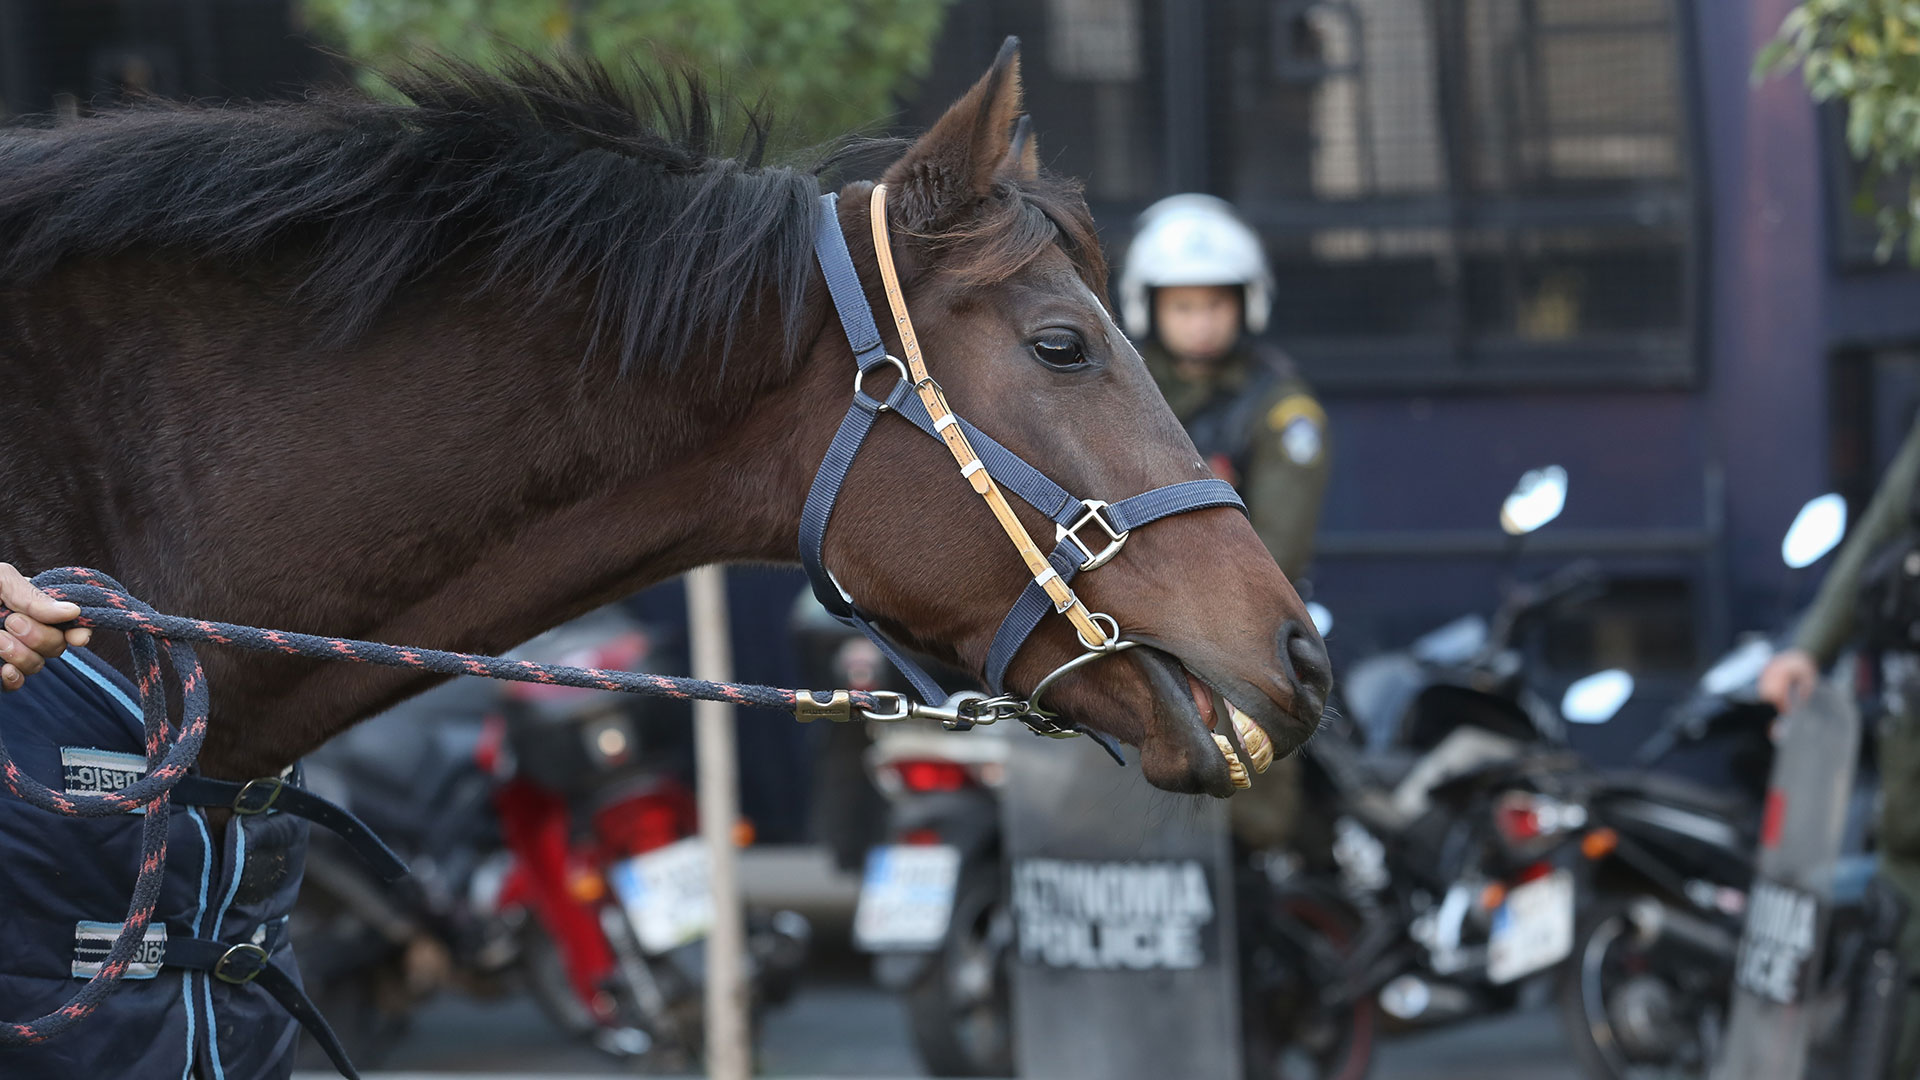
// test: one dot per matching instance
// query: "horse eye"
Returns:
(1060, 349)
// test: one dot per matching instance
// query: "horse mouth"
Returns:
(1178, 751)
(1197, 740)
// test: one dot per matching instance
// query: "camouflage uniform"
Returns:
(1256, 422)
(1827, 628)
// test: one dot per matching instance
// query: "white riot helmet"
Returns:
(1193, 240)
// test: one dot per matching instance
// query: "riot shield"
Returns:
(1123, 907)
(1788, 907)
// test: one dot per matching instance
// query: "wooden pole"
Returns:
(729, 1051)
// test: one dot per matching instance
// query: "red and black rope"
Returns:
(106, 605)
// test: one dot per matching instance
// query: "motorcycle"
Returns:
(932, 908)
(553, 837)
(933, 901)
(1654, 950)
(1446, 886)
(1656, 953)
(1447, 883)
(1450, 887)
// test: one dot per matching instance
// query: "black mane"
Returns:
(547, 175)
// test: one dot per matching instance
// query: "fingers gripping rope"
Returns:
(106, 604)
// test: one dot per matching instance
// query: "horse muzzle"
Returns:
(1212, 732)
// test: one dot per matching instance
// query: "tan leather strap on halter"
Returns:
(948, 426)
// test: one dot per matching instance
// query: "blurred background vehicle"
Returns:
(922, 826)
(933, 902)
(1443, 884)
(1674, 863)
(552, 837)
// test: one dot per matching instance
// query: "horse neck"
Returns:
(454, 479)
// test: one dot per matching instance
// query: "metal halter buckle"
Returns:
(245, 951)
(274, 785)
(1091, 512)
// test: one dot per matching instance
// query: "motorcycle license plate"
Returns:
(906, 897)
(667, 894)
(1533, 929)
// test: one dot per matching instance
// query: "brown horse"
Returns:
(452, 371)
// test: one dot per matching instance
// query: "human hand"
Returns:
(1788, 678)
(30, 638)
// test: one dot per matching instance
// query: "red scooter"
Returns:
(587, 877)
(609, 875)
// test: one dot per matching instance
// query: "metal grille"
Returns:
(1092, 71)
(1451, 190)
(1477, 190)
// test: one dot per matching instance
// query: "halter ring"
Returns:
(1114, 645)
(1105, 622)
(860, 376)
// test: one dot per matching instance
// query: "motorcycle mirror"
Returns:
(1322, 618)
(1738, 669)
(1596, 698)
(1537, 499)
(1816, 529)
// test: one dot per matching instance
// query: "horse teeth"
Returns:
(1252, 737)
(1236, 769)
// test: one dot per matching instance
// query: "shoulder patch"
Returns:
(1299, 419)
(1295, 407)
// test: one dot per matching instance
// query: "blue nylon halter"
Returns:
(1070, 515)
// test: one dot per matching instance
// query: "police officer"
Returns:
(1194, 292)
(1877, 561)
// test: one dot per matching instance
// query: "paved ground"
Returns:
(840, 1026)
(849, 1030)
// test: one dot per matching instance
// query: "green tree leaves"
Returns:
(825, 69)
(1866, 54)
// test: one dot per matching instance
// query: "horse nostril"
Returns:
(1305, 658)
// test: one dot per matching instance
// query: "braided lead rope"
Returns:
(169, 755)
(106, 604)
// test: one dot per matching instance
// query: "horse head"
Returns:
(1002, 272)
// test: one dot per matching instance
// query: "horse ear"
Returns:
(948, 170)
(1023, 155)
